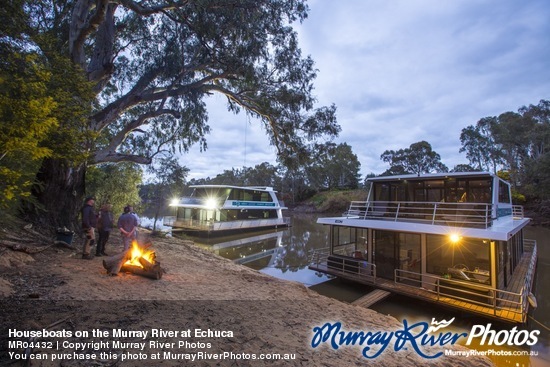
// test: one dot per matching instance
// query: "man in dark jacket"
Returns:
(104, 226)
(127, 224)
(89, 222)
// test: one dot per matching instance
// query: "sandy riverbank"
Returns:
(198, 290)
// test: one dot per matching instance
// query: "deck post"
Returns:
(495, 301)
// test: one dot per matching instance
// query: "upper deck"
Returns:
(478, 203)
(230, 197)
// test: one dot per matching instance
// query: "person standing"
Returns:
(137, 219)
(127, 224)
(89, 222)
(104, 227)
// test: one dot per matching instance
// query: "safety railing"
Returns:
(529, 245)
(358, 269)
(463, 214)
(474, 294)
(209, 225)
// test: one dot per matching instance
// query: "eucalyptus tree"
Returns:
(514, 141)
(152, 64)
(335, 167)
(418, 158)
(535, 178)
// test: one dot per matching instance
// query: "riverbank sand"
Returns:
(57, 290)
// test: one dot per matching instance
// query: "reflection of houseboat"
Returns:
(453, 239)
(217, 209)
(257, 252)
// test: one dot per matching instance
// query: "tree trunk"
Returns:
(59, 194)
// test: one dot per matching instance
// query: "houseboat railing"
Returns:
(529, 245)
(463, 214)
(517, 212)
(209, 225)
(168, 220)
(319, 256)
(343, 265)
(473, 293)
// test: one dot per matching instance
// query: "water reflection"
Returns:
(282, 253)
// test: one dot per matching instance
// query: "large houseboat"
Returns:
(454, 239)
(222, 209)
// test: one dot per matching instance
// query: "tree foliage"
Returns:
(115, 184)
(419, 158)
(26, 120)
(517, 142)
(153, 63)
(150, 65)
(334, 167)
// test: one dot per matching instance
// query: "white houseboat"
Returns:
(222, 209)
(450, 238)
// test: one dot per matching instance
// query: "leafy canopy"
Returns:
(419, 158)
(152, 64)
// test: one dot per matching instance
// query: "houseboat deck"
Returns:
(509, 305)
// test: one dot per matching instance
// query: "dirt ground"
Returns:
(57, 289)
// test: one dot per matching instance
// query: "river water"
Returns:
(285, 254)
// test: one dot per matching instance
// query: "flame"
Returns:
(136, 252)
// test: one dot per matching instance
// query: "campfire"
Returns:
(137, 260)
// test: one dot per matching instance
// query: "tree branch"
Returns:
(81, 27)
(148, 10)
(109, 152)
(111, 112)
(246, 103)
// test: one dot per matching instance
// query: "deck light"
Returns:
(210, 203)
(174, 202)
(455, 238)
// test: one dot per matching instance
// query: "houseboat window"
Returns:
(397, 192)
(463, 258)
(461, 191)
(250, 195)
(381, 191)
(396, 250)
(435, 190)
(503, 192)
(209, 192)
(418, 191)
(480, 191)
(266, 197)
(343, 240)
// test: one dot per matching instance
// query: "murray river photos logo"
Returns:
(418, 336)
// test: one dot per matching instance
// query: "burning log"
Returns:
(136, 260)
(114, 263)
(154, 273)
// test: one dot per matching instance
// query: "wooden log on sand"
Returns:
(114, 263)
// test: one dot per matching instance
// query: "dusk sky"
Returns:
(400, 72)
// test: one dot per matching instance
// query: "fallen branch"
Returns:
(64, 244)
(16, 246)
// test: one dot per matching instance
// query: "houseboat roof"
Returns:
(259, 188)
(431, 175)
(502, 228)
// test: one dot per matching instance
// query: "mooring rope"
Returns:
(538, 322)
